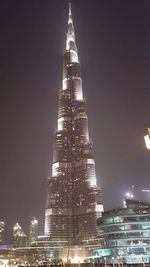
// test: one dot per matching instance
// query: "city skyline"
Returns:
(111, 41)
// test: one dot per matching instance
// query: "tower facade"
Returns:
(73, 198)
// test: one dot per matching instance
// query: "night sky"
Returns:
(112, 38)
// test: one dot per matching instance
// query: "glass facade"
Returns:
(126, 232)
(73, 198)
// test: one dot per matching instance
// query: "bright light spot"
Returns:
(65, 260)
(91, 161)
(129, 195)
(99, 207)
(76, 259)
(65, 83)
(70, 38)
(60, 126)
(92, 182)
(55, 167)
(34, 222)
(79, 95)
(147, 141)
(61, 119)
(48, 212)
(70, 20)
(73, 56)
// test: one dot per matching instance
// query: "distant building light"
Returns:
(129, 195)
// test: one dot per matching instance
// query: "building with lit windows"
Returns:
(126, 234)
(73, 198)
(33, 230)
(19, 237)
(2, 230)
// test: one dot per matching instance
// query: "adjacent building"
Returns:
(74, 200)
(33, 230)
(19, 237)
(2, 230)
(125, 233)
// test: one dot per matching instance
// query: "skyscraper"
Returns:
(73, 199)
(19, 237)
(33, 230)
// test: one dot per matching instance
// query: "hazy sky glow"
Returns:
(111, 37)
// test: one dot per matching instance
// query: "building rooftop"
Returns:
(132, 207)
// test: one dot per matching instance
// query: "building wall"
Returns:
(126, 233)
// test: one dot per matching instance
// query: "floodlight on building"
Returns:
(147, 139)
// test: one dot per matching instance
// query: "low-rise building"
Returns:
(126, 232)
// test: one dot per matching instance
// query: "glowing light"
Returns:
(76, 259)
(61, 124)
(99, 207)
(90, 161)
(129, 195)
(147, 141)
(34, 222)
(55, 167)
(70, 38)
(73, 56)
(61, 119)
(48, 212)
(79, 95)
(70, 20)
(65, 260)
(92, 182)
(65, 83)
(70, 8)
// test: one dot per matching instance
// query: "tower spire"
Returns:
(70, 42)
(70, 8)
(70, 14)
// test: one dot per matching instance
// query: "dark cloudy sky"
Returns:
(112, 38)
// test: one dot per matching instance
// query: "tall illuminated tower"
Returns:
(73, 198)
